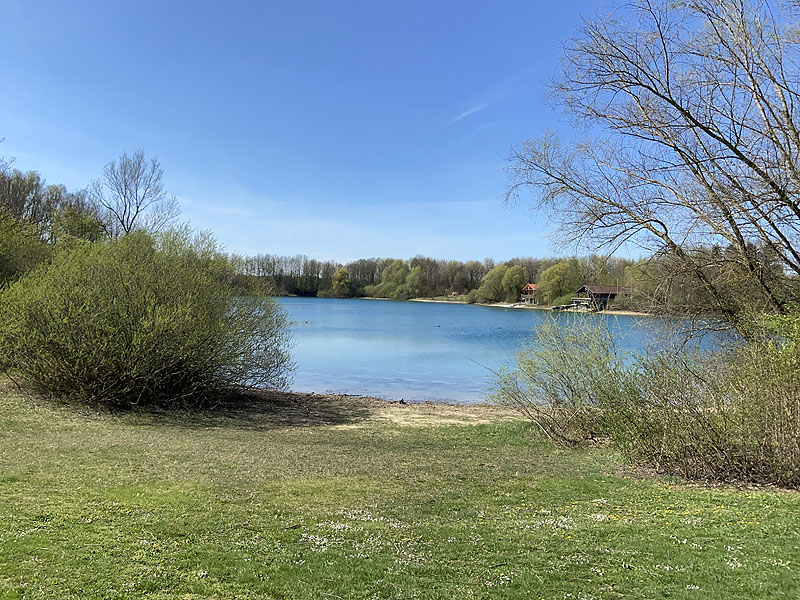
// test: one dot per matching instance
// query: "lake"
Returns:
(417, 351)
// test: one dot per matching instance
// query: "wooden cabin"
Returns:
(529, 294)
(597, 297)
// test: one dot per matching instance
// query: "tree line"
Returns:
(423, 276)
(661, 283)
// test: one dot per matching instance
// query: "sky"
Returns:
(337, 129)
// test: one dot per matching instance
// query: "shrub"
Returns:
(564, 378)
(727, 416)
(674, 420)
(730, 415)
(141, 320)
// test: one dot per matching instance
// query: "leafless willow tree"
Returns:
(690, 145)
(132, 195)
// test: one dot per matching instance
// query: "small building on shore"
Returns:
(529, 294)
(597, 297)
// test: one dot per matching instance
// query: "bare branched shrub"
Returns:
(731, 415)
(679, 418)
(564, 377)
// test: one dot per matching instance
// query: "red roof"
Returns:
(530, 287)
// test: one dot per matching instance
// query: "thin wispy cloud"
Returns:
(471, 111)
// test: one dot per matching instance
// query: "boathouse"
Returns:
(597, 297)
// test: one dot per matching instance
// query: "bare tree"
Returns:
(692, 141)
(132, 195)
(5, 163)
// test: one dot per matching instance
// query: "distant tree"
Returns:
(307, 283)
(455, 278)
(27, 197)
(77, 218)
(34, 216)
(491, 289)
(415, 282)
(513, 281)
(392, 281)
(459, 283)
(434, 281)
(131, 192)
(21, 247)
(558, 280)
(362, 272)
(533, 266)
(5, 163)
(326, 271)
(341, 283)
(475, 272)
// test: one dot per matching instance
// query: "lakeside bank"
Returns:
(524, 306)
(511, 305)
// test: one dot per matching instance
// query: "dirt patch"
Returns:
(443, 414)
(268, 409)
(369, 410)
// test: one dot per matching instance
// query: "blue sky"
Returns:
(336, 129)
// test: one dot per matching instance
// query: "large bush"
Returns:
(729, 415)
(141, 320)
(21, 247)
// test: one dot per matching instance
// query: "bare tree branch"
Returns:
(701, 147)
(132, 195)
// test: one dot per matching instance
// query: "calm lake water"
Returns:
(417, 351)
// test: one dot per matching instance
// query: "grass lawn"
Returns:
(301, 497)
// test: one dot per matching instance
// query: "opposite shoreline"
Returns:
(523, 306)
(512, 305)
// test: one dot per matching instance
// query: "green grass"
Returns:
(324, 501)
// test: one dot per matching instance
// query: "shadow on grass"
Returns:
(238, 408)
(264, 409)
